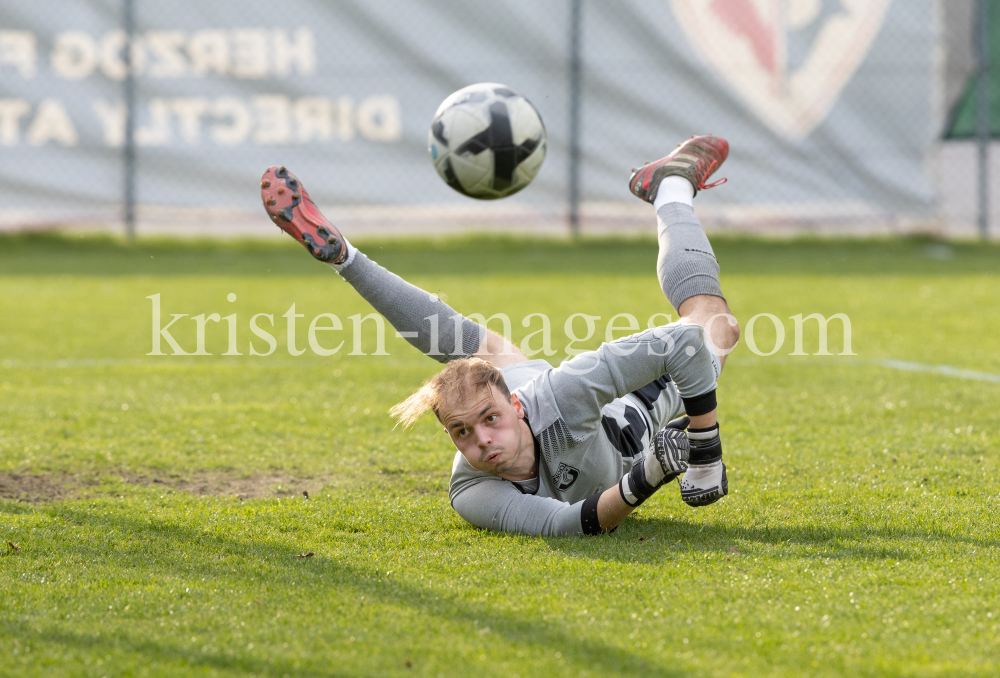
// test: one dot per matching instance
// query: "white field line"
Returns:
(946, 370)
(888, 363)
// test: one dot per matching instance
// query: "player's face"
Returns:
(487, 431)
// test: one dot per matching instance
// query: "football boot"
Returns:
(289, 206)
(695, 160)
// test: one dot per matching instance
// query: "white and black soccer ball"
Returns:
(487, 141)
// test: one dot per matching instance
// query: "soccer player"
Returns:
(575, 448)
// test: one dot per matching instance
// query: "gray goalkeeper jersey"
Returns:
(591, 418)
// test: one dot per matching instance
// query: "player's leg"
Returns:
(687, 267)
(420, 317)
(689, 270)
(689, 276)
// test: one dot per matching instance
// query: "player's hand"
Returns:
(671, 450)
(705, 481)
(667, 459)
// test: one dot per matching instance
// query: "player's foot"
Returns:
(695, 160)
(289, 206)
(704, 484)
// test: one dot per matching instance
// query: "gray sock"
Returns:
(420, 317)
(686, 265)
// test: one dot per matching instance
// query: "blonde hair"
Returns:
(459, 380)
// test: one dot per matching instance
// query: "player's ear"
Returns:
(517, 405)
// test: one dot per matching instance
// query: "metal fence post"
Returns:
(128, 158)
(574, 117)
(983, 131)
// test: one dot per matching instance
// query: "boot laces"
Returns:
(702, 185)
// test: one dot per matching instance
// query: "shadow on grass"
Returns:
(161, 656)
(158, 546)
(661, 537)
(161, 546)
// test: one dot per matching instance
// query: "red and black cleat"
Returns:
(695, 160)
(289, 206)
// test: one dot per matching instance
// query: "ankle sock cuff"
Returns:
(674, 189)
(351, 251)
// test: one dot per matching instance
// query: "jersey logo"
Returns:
(565, 476)
(788, 60)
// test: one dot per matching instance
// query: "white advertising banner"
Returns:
(824, 102)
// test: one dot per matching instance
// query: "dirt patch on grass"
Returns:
(39, 488)
(33, 488)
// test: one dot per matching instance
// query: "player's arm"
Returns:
(499, 351)
(669, 452)
(496, 504)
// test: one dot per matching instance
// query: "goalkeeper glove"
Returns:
(666, 459)
(705, 481)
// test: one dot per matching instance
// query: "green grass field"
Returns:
(157, 500)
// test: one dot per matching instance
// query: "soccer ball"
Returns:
(487, 141)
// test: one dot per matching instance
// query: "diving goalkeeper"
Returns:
(572, 449)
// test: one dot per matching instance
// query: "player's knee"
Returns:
(722, 330)
(735, 331)
(727, 334)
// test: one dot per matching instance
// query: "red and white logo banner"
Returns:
(788, 60)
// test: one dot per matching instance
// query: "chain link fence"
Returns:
(160, 117)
